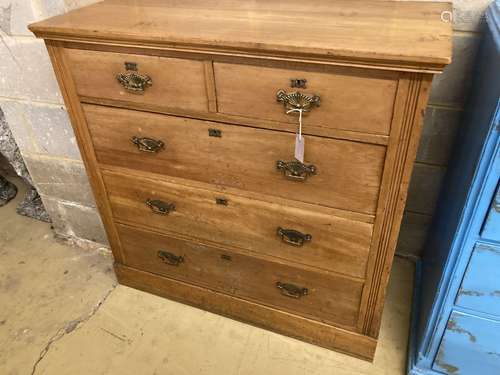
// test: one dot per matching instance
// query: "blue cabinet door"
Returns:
(491, 228)
(457, 325)
(470, 346)
(480, 289)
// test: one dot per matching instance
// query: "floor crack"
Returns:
(70, 327)
(5, 44)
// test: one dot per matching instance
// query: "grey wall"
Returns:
(443, 116)
(34, 110)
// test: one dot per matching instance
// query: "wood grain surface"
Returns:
(403, 33)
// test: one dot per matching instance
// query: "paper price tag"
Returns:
(299, 139)
(299, 147)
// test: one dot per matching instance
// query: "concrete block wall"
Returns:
(442, 120)
(34, 110)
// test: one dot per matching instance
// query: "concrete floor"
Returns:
(61, 312)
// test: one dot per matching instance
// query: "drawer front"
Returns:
(470, 345)
(491, 227)
(175, 83)
(480, 289)
(350, 99)
(347, 174)
(335, 244)
(332, 299)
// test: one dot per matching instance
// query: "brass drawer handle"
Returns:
(147, 144)
(291, 290)
(293, 237)
(169, 258)
(297, 100)
(295, 170)
(159, 207)
(133, 81)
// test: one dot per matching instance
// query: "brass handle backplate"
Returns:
(132, 80)
(291, 290)
(297, 100)
(159, 207)
(146, 144)
(295, 170)
(169, 258)
(293, 237)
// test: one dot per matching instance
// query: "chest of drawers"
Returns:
(186, 115)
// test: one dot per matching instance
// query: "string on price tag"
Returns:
(299, 139)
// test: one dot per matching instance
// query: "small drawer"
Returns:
(166, 83)
(332, 299)
(348, 99)
(480, 289)
(470, 345)
(340, 174)
(302, 236)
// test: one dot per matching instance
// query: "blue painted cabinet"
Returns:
(456, 322)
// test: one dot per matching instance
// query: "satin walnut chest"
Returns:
(187, 117)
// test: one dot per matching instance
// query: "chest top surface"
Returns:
(406, 34)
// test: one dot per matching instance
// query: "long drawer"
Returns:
(170, 83)
(303, 236)
(347, 175)
(332, 299)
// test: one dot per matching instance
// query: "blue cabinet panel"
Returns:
(491, 229)
(456, 325)
(478, 342)
(480, 289)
